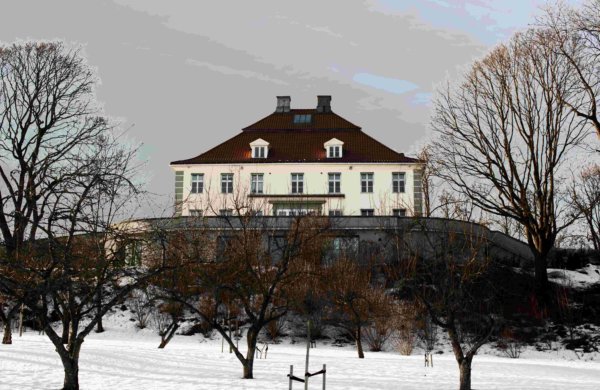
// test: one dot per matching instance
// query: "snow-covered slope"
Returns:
(581, 278)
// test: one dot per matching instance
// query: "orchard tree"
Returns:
(449, 274)
(65, 179)
(354, 303)
(48, 115)
(243, 265)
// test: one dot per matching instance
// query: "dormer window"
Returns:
(335, 152)
(259, 152)
(334, 148)
(260, 148)
(302, 118)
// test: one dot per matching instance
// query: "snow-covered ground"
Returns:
(125, 357)
(122, 358)
(581, 278)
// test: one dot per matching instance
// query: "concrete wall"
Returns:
(398, 237)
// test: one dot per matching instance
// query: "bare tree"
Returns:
(576, 37)
(65, 180)
(355, 304)
(48, 114)
(167, 319)
(142, 306)
(246, 264)
(585, 194)
(505, 135)
(450, 276)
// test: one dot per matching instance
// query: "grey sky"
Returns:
(190, 74)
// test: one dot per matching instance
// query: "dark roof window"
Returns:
(302, 118)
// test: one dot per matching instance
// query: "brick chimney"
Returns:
(323, 103)
(283, 104)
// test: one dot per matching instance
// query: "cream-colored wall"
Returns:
(277, 181)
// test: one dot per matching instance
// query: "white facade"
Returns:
(275, 193)
(297, 161)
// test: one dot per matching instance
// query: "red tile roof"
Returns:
(289, 142)
(285, 121)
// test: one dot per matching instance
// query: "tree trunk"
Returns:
(361, 354)
(99, 326)
(541, 279)
(7, 339)
(169, 333)
(65, 327)
(251, 338)
(71, 366)
(465, 374)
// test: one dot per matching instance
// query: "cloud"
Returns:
(488, 20)
(422, 98)
(226, 70)
(395, 86)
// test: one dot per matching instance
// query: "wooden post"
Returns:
(291, 375)
(307, 354)
(324, 373)
(21, 321)
(237, 333)
(229, 326)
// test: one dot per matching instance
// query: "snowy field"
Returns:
(125, 359)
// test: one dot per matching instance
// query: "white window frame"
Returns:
(256, 183)
(367, 212)
(197, 183)
(334, 148)
(335, 213)
(334, 183)
(367, 182)
(227, 183)
(297, 183)
(259, 152)
(335, 151)
(259, 148)
(398, 182)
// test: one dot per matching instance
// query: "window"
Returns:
(366, 182)
(305, 118)
(334, 148)
(398, 182)
(260, 148)
(226, 212)
(399, 212)
(335, 152)
(256, 183)
(297, 183)
(227, 183)
(224, 244)
(335, 213)
(367, 212)
(195, 213)
(133, 254)
(197, 183)
(335, 183)
(260, 152)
